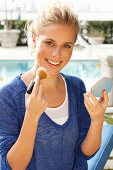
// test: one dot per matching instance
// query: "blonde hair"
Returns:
(51, 14)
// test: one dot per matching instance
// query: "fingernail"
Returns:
(103, 90)
(89, 92)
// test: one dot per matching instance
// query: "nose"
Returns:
(56, 52)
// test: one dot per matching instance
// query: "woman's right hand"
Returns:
(23, 148)
(36, 102)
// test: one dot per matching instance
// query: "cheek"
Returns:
(67, 55)
(39, 48)
(41, 53)
(42, 50)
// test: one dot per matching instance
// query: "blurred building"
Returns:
(23, 9)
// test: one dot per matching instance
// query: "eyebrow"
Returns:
(69, 42)
(54, 41)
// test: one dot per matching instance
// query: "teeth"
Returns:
(54, 63)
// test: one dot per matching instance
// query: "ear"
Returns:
(34, 41)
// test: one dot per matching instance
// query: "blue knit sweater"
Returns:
(57, 147)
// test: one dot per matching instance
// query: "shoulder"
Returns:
(74, 81)
(12, 89)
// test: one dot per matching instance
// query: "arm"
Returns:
(96, 110)
(20, 153)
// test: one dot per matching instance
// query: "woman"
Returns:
(50, 128)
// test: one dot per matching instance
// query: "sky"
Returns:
(99, 5)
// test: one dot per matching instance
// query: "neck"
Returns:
(51, 82)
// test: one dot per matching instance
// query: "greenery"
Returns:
(18, 24)
(96, 33)
(108, 118)
(1, 25)
(103, 28)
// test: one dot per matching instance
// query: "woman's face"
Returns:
(54, 47)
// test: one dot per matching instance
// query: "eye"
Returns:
(67, 46)
(49, 43)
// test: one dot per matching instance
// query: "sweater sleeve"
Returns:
(9, 127)
(84, 121)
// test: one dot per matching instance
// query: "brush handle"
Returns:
(30, 88)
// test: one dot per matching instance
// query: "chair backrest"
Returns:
(99, 160)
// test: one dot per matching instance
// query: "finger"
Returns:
(36, 86)
(42, 96)
(88, 102)
(106, 99)
(26, 96)
(93, 98)
(45, 102)
(88, 108)
(40, 92)
(101, 100)
(45, 98)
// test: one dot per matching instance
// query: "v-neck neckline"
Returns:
(69, 108)
(69, 103)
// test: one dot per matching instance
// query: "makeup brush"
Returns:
(42, 73)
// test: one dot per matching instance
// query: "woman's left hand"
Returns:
(96, 108)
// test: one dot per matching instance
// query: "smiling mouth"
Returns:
(54, 63)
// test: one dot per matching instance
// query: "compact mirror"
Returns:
(103, 83)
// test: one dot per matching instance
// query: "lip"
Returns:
(53, 66)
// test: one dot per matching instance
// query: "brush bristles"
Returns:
(42, 73)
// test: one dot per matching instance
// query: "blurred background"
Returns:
(96, 17)
(92, 57)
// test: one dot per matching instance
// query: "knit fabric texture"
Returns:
(57, 147)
